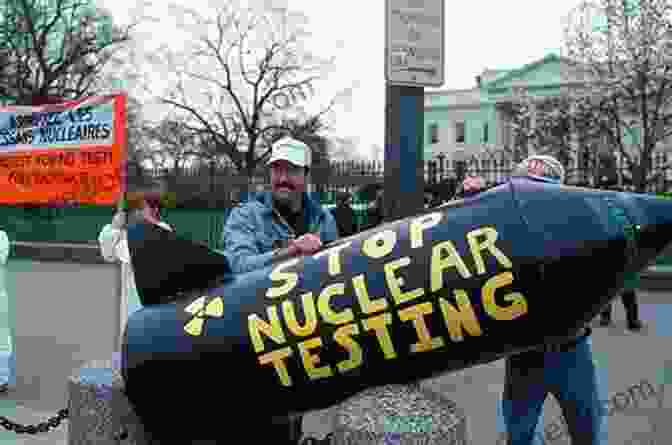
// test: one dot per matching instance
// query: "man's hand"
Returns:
(306, 244)
(473, 184)
(150, 214)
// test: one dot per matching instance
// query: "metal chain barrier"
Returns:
(55, 422)
(42, 427)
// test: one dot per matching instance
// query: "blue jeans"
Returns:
(12, 365)
(8, 373)
(571, 377)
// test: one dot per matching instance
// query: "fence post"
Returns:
(441, 167)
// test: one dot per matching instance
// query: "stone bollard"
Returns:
(99, 412)
(399, 414)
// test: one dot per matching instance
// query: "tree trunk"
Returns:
(212, 184)
(644, 169)
(250, 165)
(249, 173)
(638, 178)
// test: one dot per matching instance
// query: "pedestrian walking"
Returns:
(629, 292)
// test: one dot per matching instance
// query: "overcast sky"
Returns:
(480, 34)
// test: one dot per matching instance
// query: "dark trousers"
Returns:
(629, 299)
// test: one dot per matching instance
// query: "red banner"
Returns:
(70, 152)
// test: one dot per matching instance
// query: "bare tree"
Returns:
(54, 49)
(346, 149)
(562, 126)
(176, 145)
(251, 68)
(625, 49)
(139, 142)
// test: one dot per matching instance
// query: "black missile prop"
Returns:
(466, 283)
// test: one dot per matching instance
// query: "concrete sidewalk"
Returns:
(625, 360)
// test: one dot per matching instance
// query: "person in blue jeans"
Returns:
(565, 369)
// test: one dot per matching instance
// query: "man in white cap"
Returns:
(280, 224)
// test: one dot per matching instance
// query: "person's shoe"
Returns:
(4, 387)
(635, 325)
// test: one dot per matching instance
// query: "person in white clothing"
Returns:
(9, 319)
(114, 245)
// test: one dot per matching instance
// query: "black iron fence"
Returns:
(204, 187)
(202, 198)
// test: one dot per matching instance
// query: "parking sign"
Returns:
(414, 42)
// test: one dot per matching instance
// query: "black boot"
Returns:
(605, 316)
(635, 325)
(632, 310)
(295, 429)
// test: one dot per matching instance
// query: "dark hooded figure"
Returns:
(345, 215)
(629, 293)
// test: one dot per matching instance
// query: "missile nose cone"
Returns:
(589, 243)
(652, 228)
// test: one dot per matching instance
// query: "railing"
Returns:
(211, 197)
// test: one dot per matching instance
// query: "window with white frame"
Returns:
(433, 135)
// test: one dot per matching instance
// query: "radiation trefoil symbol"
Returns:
(201, 311)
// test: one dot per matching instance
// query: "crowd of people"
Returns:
(286, 223)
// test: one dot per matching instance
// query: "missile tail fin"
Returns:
(165, 265)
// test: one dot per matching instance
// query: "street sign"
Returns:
(414, 42)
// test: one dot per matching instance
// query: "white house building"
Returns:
(475, 123)
(465, 122)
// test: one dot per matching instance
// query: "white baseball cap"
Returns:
(541, 167)
(290, 150)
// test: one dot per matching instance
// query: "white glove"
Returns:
(4, 247)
